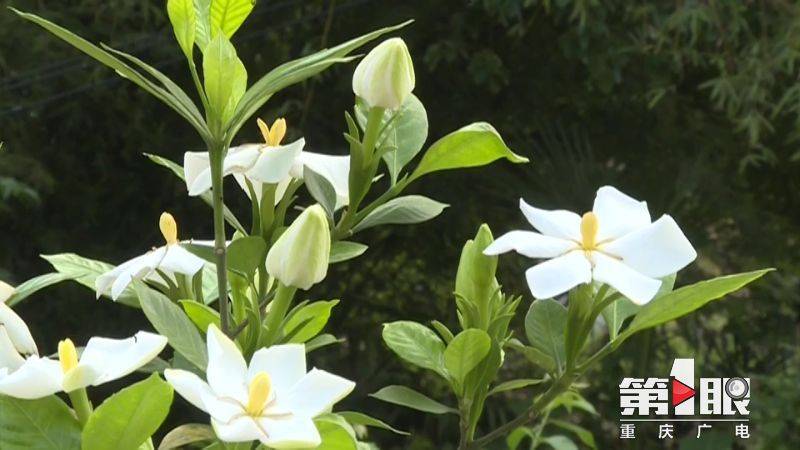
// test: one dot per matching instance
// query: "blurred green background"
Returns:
(691, 105)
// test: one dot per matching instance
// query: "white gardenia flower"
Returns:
(270, 163)
(169, 260)
(101, 361)
(273, 400)
(12, 328)
(615, 243)
(385, 77)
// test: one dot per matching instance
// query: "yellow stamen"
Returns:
(260, 390)
(589, 227)
(67, 355)
(169, 228)
(273, 135)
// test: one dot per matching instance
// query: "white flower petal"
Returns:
(17, 330)
(296, 432)
(274, 163)
(179, 260)
(315, 393)
(189, 386)
(618, 214)
(115, 358)
(657, 250)
(6, 291)
(118, 278)
(222, 409)
(241, 429)
(558, 223)
(227, 370)
(36, 378)
(530, 244)
(197, 172)
(285, 364)
(80, 377)
(639, 288)
(241, 159)
(558, 275)
(9, 355)
(335, 169)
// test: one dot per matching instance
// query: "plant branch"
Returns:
(558, 387)
(217, 154)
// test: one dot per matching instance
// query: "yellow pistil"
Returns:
(273, 135)
(260, 390)
(169, 228)
(589, 227)
(67, 355)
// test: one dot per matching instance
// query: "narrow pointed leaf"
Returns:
(403, 396)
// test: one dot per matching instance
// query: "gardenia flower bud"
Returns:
(385, 76)
(299, 257)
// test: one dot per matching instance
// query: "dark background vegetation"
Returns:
(692, 105)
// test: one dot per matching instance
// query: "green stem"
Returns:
(217, 154)
(81, 405)
(277, 311)
(538, 433)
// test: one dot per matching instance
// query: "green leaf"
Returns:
(228, 15)
(402, 210)
(321, 190)
(533, 355)
(188, 112)
(205, 196)
(475, 145)
(225, 78)
(683, 301)
(170, 321)
(579, 321)
(465, 352)
(296, 71)
(246, 254)
(202, 12)
(323, 340)
(583, 434)
(357, 418)
(513, 385)
(544, 326)
(191, 433)
(417, 344)
(336, 433)
(43, 424)
(85, 271)
(571, 400)
(405, 132)
(616, 313)
(559, 442)
(403, 396)
(128, 418)
(308, 321)
(345, 250)
(182, 17)
(200, 314)
(517, 436)
(34, 285)
(443, 331)
(475, 279)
